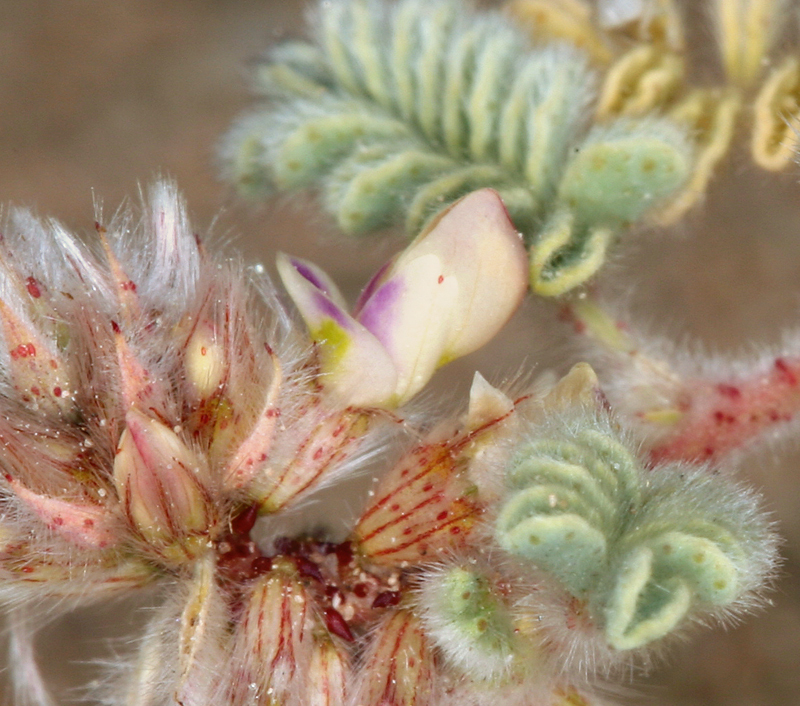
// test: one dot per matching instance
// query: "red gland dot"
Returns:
(24, 350)
(782, 367)
(33, 287)
(730, 391)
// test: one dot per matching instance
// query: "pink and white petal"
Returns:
(355, 364)
(479, 246)
(358, 369)
(317, 308)
(371, 287)
(315, 276)
(411, 315)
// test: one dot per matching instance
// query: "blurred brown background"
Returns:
(97, 97)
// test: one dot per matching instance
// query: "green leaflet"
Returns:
(469, 621)
(619, 172)
(644, 548)
(395, 111)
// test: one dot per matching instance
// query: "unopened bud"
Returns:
(327, 675)
(205, 362)
(158, 479)
(38, 373)
(399, 666)
(87, 525)
(426, 505)
(273, 638)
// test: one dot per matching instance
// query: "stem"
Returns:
(689, 417)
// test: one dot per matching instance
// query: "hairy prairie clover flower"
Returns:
(397, 111)
(154, 405)
(157, 401)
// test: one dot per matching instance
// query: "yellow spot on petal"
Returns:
(335, 341)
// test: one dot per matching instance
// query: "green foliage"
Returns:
(620, 171)
(469, 621)
(394, 112)
(644, 548)
(475, 611)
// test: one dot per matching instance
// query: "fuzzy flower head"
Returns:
(153, 406)
(128, 422)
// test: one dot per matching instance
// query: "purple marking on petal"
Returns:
(328, 308)
(370, 288)
(376, 314)
(306, 272)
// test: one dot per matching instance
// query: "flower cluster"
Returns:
(161, 410)
(154, 407)
(144, 398)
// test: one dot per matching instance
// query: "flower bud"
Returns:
(204, 363)
(426, 505)
(328, 674)
(324, 441)
(158, 478)
(136, 386)
(273, 637)
(398, 669)
(203, 625)
(87, 525)
(253, 451)
(38, 373)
